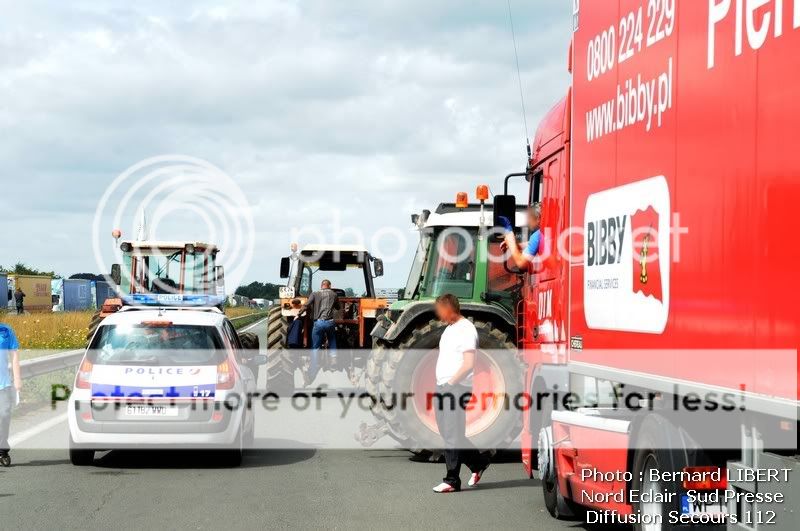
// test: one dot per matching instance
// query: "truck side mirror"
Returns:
(377, 265)
(116, 274)
(285, 267)
(505, 212)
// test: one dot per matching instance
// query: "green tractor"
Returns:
(459, 254)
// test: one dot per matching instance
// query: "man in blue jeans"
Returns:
(323, 305)
(10, 385)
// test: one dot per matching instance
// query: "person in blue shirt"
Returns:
(523, 257)
(10, 385)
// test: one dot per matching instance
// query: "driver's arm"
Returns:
(523, 259)
(309, 303)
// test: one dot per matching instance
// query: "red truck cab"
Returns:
(669, 178)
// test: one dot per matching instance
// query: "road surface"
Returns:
(299, 487)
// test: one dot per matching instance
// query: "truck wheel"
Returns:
(557, 505)
(280, 365)
(658, 447)
(410, 368)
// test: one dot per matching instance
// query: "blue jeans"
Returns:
(321, 330)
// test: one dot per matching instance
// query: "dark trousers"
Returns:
(451, 418)
(20, 309)
(7, 398)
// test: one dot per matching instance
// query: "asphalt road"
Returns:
(301, 487)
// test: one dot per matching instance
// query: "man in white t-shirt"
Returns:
(454, 367)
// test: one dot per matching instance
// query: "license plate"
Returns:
(150, 411)
(698, 507)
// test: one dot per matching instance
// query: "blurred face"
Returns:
(533, 220)
(445, 312)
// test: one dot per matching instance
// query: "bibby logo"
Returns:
(626, 273)
(646, 270)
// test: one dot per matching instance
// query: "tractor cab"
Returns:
(458, 254)
(156, 273)
(351, 271)
(152, 267)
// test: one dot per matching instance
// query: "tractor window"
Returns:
(452, 268)
(500, 281)
(305, 288)
(351, 281)
(416, 268)
(162, 272)
(193, 279)
(126, 277)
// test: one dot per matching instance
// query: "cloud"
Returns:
(368, 108)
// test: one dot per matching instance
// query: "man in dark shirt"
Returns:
(19, 299)
(323, 305)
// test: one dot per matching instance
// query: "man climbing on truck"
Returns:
(323, 305)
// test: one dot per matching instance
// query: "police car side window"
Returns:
(234, 336)
(233, 340)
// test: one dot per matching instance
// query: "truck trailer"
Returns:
(37, 289)
(669, 177)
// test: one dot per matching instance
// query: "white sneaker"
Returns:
(475, 478)
(443, 487)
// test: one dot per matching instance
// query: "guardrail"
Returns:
(71, 358)
(48, 364)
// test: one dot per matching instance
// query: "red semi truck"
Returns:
(669, 178)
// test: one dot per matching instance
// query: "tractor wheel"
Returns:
(492, 423)
(250, 341)
(280, 363)
(374, 373)
(97, 318)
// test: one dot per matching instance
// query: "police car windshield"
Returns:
(157, 345)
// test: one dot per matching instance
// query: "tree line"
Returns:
(259, 290)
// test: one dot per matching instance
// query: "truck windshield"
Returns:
(452, 265)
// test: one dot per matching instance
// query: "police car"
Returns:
(166, 378)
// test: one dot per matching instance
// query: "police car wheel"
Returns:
(81, 457)
(5, 460)
(232, 456)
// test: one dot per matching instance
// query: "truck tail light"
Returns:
(709, 478)
(84, 375)
(225, 375)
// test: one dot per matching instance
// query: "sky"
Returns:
(315, 117)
